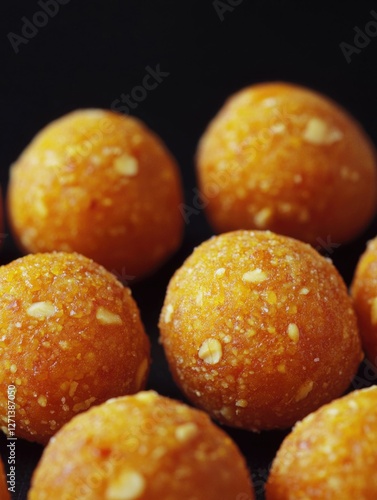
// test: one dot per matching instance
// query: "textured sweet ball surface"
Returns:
(259, 330)
(101, 184)
(71, 337)
(144, 447)
(364, 293)
(4, 493)
(285, 158)
(331, 453)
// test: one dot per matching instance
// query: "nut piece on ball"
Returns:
(282, 157)
(144, 447)
(259, 330)
(101, 184)
(71, 337)
(331, 453)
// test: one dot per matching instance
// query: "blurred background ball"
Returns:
(282, 157)
(144, 447)
(331, 453)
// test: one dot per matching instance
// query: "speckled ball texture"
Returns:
(364, 293)
(259, 330)
(4, 493)
(101, 184)
(282, 157)
(330, 454)
(144, 447)
(71, 337)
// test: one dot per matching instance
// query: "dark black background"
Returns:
(93, 51)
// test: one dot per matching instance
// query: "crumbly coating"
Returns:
(101, 184)
(330, 454)
(285, 158)
(364, 293)
(144, 447)
(70, 337)
(4, 493)
(259, 330)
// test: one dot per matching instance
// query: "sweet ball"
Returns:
(282, 157)
(364, 293)
(144, 447)
(331, 453)
(71, 337)
(101, 184)
(259, 330)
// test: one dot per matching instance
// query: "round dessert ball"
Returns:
(71, 337)
(144, 447)
(259, 330)
(364, 293)
(101, 184)
(4, 493)
(282, 157)
(331, 453)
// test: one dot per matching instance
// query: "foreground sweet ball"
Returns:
(258, 330)
(364, 293)
(331, 453)
(100, 184)
(71, 337)
(284, 158)
(144, 447)
(4, 493)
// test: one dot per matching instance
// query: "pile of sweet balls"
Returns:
(258, 328)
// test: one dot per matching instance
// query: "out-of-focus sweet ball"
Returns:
(101, 184)
(143, 447)
(331, 453)
(282, 157)
(364, 293)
